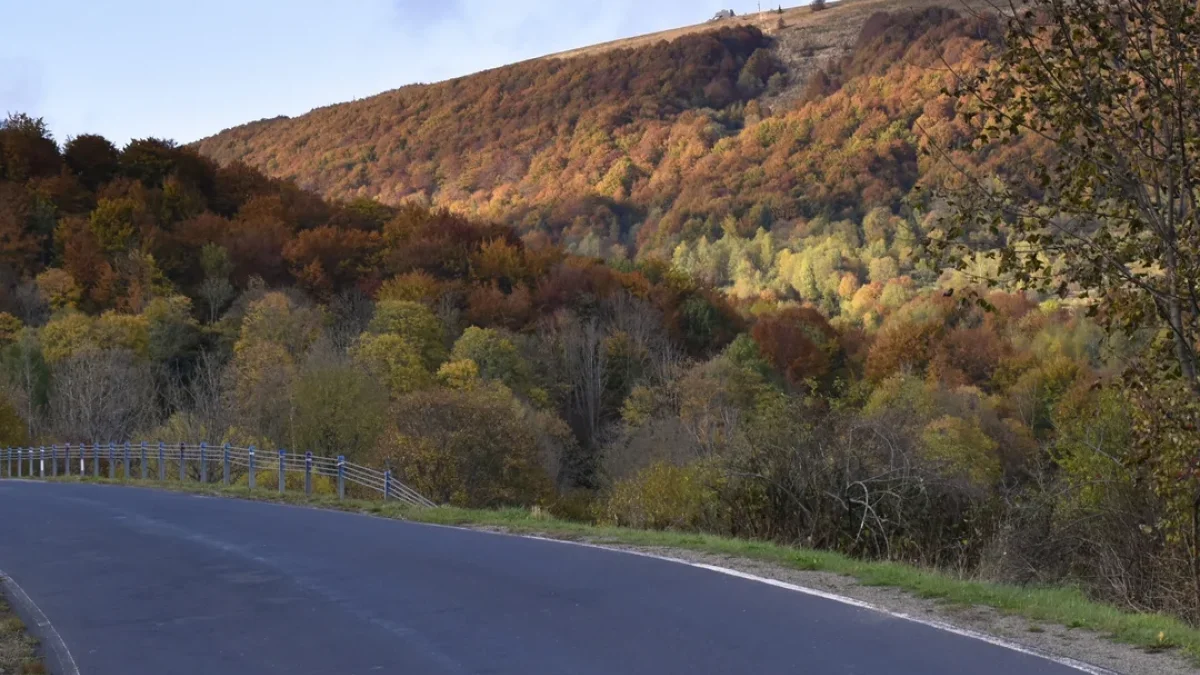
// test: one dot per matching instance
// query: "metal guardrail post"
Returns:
(308, 473)
(25, 468)
(341, 466)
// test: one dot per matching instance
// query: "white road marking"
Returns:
(932, 623)
(45, 630)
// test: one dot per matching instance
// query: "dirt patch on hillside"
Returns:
(805, 41)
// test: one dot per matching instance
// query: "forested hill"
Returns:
(767, 123)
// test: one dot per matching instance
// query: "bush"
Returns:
(818, 5)
(664, 496)
(476, 448)
(268, 480)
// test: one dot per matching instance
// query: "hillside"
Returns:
(633, 147)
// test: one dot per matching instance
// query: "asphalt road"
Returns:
(143, 581)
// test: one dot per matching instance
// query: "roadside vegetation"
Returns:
(18, 651)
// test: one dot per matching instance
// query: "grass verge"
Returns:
(1064, 606)
(18, 650)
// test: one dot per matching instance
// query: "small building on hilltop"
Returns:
(723, 14)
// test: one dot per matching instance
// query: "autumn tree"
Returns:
(338, 411)
(27, 150)
(495, 355)
(20, 246)
(94, 159)
(1113, 213)
(466, 447)
(800, 343)
(417, 324)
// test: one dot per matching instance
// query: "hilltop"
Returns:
(616, 149)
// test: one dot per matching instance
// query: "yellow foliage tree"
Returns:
(276, 318)
(417, 324)
(962, 450)
(65, 335)
(58, 288)
(394, 360)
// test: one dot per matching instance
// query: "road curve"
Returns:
(146, 581)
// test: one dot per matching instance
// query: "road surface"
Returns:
(145, 581)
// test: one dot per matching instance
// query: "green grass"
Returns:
(1058, 605)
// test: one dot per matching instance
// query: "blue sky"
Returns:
(185, 70)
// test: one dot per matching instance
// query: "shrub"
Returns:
(664, 496)
(475, 448)
(293, 481)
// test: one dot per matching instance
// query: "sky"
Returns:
(184, 69)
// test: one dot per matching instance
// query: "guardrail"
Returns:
(199, 462)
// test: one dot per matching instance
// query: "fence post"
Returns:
(112, 460)
(10, 463)
(53, 461)
(341, 466)
(226, 464)
(307, 473)
(42, 462)
(282, 457)
(96, 459)
(82, 466)
(181, 462)
(250, 480)
(203, 463)
(126, 451)
(143, 460)
(387, 484)
(67, 459)
(162, 462)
